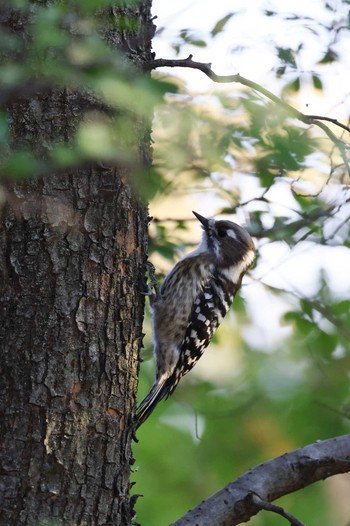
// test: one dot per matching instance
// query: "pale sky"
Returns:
(251, 29)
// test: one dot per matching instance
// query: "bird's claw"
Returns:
(152, 285)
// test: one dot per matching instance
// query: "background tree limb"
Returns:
(236, 502)
(290, 111)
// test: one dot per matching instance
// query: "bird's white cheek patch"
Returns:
(234, 273)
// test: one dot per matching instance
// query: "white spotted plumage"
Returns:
(193, 299)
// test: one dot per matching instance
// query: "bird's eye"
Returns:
(222, 233)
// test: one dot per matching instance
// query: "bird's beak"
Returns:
(201, 219)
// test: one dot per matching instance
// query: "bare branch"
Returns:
(292, 112)
(237, 502)
(276, 509)
(329, 119)
(338, 142)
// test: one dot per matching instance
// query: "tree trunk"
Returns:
(72, 253)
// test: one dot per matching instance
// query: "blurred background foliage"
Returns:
(276, 376)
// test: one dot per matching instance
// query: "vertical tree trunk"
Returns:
(72, 254)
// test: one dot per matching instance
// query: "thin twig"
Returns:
(338, 142)
(330, 119)
(268, 506)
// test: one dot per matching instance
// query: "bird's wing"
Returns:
(209, 308)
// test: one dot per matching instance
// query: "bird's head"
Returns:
(229, 243)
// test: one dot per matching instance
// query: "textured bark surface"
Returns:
(72, 253)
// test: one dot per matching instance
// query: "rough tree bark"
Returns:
(72, 253)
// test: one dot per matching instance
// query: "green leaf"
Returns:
(306, 307)
(187, 37)
(329, 57)
(220, 24)
(64, 155)
(325, 343)
(317, 83)
(286, 55)
(156, 85)
(342, 307)
(295, 85)
(150, 183)
(21, 164)
(293, 316)
(199, 43)
(304, 202)
(280, 71)
(47, 31)
(176, 48)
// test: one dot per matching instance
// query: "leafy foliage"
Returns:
(276, 375)
(68, 48)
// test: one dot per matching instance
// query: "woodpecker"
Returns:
(191, 303)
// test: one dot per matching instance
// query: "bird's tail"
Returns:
(148, 404)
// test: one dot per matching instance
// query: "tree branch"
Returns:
(292, 112)
(241, 499)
